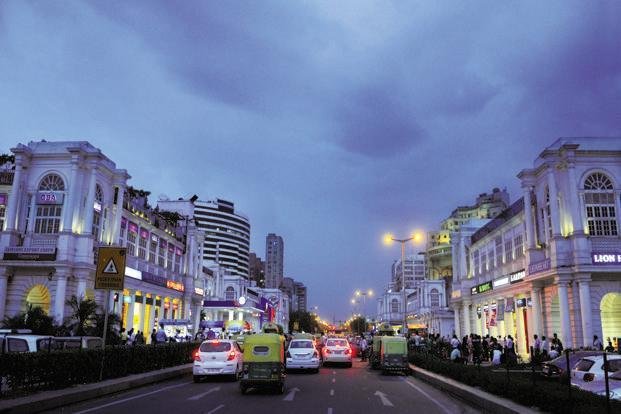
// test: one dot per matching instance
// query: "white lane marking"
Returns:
(330, 410)
(291, 394)
(333, 380)
(438, 403)
(131, 398)
(215, 409)
(385, 400)
(201, 395)
(331, 393)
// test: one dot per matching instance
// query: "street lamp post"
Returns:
(388, 239)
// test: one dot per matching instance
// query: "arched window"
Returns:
(49, 207)
(599, 200)
(434, 298)
(98, 206)
(229, 293)
(394, 306)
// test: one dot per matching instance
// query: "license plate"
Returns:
(338, 352)
(213, 370)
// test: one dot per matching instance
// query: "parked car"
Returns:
(218, 357)
(337, 350)
(591, 369)
(302, 354)
(557, 367)
(599, 387)
(79, 342)
(27, 343)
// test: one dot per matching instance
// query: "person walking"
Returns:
(154, 337)
(597, 344)
(123, 336)
(160, 336)
(363, 349)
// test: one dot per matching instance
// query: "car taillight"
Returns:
(197, 357)
(231, 356)
(588, 377)
(347, 351)
(326, 351)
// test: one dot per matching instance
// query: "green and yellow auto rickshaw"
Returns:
(394, 355)
(383, 330)
(264, 362)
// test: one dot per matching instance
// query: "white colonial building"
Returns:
(551, 263)
(60, 201)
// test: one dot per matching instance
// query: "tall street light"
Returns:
(388, 239)
(364, 295)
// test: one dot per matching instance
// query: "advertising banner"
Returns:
(492, 316)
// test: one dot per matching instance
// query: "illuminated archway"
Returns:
(38, 297)
(610, 308)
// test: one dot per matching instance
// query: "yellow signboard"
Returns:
(110, 268)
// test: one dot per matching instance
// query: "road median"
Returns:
(481, 399)
(48, 400)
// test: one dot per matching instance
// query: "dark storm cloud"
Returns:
(374, 122)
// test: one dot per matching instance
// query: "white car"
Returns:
(218, 357)
(337, 350)
(591, 370)
(599, 387)
(302, 354)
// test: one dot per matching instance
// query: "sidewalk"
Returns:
(48, 400)
(483, 400)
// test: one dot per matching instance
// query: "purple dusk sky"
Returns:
(326, 122)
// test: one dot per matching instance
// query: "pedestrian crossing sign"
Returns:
(110, 268)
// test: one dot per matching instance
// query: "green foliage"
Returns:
(4, 158)
(34, 319)
(358, 325)
(523, 388)
(306, 322)
(35, 371)
(82, 321)
(114, 323)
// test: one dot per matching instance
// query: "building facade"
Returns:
(227, 235)
(551, 262)
(62, 200)
(274, 261)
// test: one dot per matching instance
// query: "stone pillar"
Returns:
(536, 311)
(528, 219)
(520, 336)
(574, 200)
(87, 226)
(556, 231)
(4, 281)
(81, 289)
(456, 321)
(142, 310)
(197, 318)
(231, 316)
(70, 201)
(563, 301)
(16, 192)
(129, 323)
(152, 316)
(60, 297)
(33, 213)
(585, 311)
(118, 214)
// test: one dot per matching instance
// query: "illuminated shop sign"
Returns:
(539, 267)
(199, 291)
(517, 276)
(36, 254)
(133, 273)
(178, 286)
(482, 288)
(50, 197)
(154, 279)
(501, 282)
(606, 258)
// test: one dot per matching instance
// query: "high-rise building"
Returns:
(227, 235)
(300, 296)
(414, 270)
(257, 269)
(274, 263)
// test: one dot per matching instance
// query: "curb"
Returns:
(48, 400)
(482, 399)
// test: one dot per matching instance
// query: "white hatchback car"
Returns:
(218, 357)
(337, 350)
(591, 370)
(303, 355)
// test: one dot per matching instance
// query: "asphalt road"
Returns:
(333, 390)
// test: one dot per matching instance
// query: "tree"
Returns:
(34, 319)
(83, 319)
(113, 337)
(305, 320)
(358, 325)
